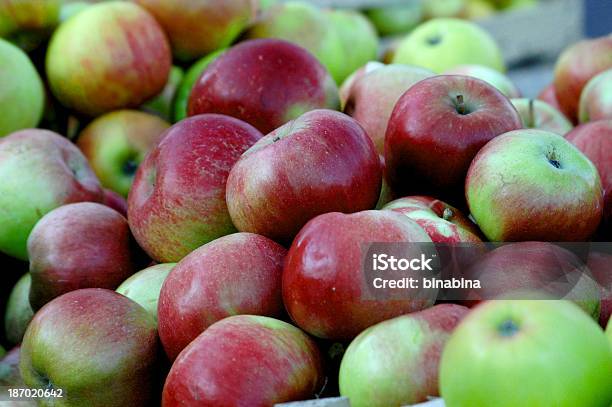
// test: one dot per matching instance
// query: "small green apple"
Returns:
(18, 310)
(396, 19)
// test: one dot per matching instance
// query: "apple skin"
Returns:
(23, 98)
(117, 142)
(28, 23)
(144, 286)
(576, 66)
(372, 96)
(80, 245)
(549, 95)
(235, 274)
(429, 143)
(18, 310)
(265, 82)
(609, 331)
(596, 98)
(515, 167)
(107, 68)
(322, 279)
(86, 339)
(398, 19)
(600, 265)
(115, 201)
(443, 43)
(493, 77)
(39, 171)
(9, 371)
(177, 201)
(374, 368)
(536, 114)
(196, 28)
(343, 174)
(496, 357)
(245, 360)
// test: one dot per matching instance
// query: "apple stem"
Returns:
(275, 139)
(531, 123)
(447, 214)
(460, 104)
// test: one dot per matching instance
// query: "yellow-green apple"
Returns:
(117, 142)
(115, 201)
(265, 82)
(493, 77)
(213, 282)
(321, 162)
(39, 171)
(549, 95)
(600, 265)
(196, 28)
(245, 360)
(526, 353)
(436, 129)
(121, 58)
(80, 245)
(28, 23)
(323, 280)
(22, 98)
(396, 19)
(87, 339)
(537, 114)
(396, 362)
(444, 43)
(162, 105)
(371, 97)
(576, 66)
(177, 201)
(443, 8)
(534, 185)
(18, 310)
(596, 98)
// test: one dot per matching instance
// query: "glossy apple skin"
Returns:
(81, 245)
(371, 375)
(235, 274)
(121, 58)
(429, 144)
(537, 114)
(115, 201)
(372, 96)
(487, 363)
(83, 340)
(177, 201)
(321, 162)
(265, 82)
(322, 279)
(196, 28)
(549, 95)
(596, 98)
(39, 171)
(576, 66)
(600, 265)
(18, 310)
(493, 77)
(245, 360)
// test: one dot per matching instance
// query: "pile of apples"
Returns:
(197, 239)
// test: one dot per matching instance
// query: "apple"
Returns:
(162, 105)
(576, 66)
(28, 23)
(39, 171)
(265, 82)
(600, 265)
(396, 19)
(536, 114)
(375, 366)
(526, 353)
(444, 8)
(493, 77)
(513, 169)
(323, 280)
(436, 129)
(121, 58)
(347, 85)
(549, 95)
(235, 274)
(80, 245)
(444, 43)
(196, 28)
(595, 98)
(321, 162)
(69, 9)
(9, 370)
(117, 142)
(177, 201)
(22, 98)
(372, 96)
(144, 286)
(84, 340)
(115, 201)
(245, 360)
(479, 9)
(609, 331)
(18, 310)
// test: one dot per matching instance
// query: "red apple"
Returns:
(177, 201)
(549, 95)
(436, 129)
(245, 360)
(600, 265)
(115, 201)
(321, 162)
(596, 98)
(235, 274)
(265, 82)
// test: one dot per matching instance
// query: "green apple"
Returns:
(500, 81)
(444, 8)
(18, 310)
(396, 19)
(537, 114)
(28, 23)
(443, 43)
(144, 287)
(162, 104)
(22, 96)
(509, 353)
